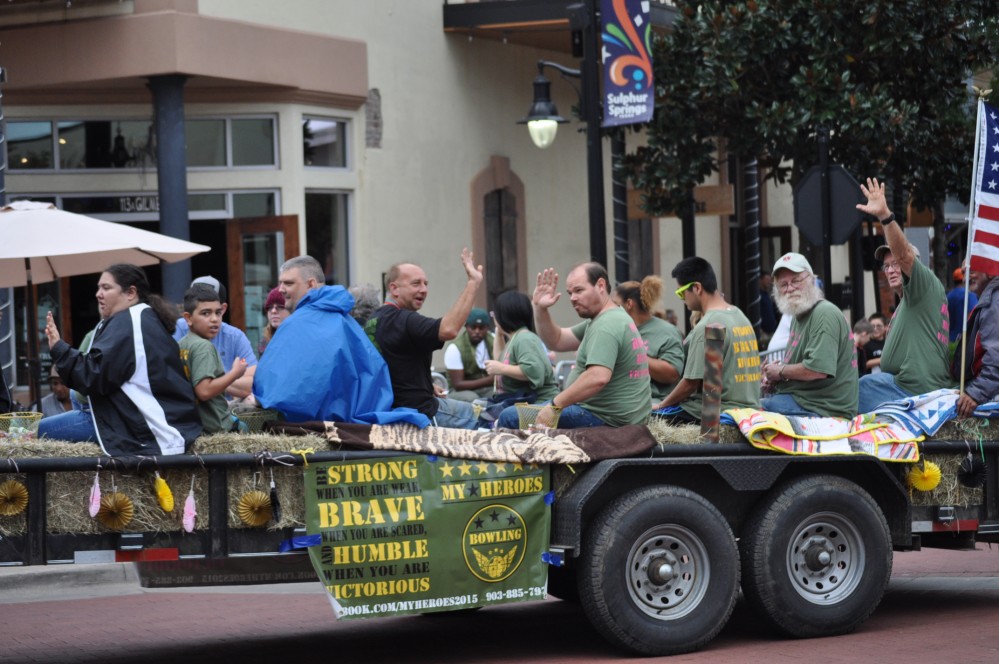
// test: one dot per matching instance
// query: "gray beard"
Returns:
(801, 302)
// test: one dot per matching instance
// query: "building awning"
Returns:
(543, 24)
(109, 60)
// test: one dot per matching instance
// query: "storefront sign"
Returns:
(416, 534)
(626, 35)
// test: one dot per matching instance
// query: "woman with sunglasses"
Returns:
(276, 312)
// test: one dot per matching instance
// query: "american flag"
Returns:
(984, 232)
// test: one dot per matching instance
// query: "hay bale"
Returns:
(690, 434)
(69, 492)
(950, 491)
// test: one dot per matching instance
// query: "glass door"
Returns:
(257, 248)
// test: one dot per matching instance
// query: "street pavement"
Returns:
(940, 606)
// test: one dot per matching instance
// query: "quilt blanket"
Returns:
(827, 436)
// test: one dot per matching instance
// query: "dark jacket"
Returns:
(981, 352)
(142, 402)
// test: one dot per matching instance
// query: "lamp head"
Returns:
(542, 118)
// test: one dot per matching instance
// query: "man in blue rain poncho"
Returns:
(320, 365)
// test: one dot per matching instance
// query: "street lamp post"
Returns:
(542, 122)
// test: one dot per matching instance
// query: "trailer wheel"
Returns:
(659, 571)
(817, 557)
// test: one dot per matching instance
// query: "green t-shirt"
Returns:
(916, 343)
(740, 361)
(201, 361)
(663, 342)
(526, 350)
(821, 340)
(612, 340)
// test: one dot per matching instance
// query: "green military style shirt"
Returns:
(821, 340)
(526, 350)
(916, 344)
(740, 361)
(664, 342)
(612, 340)
(201, 361)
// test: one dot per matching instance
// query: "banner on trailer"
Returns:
(416, 534)
(626, 38)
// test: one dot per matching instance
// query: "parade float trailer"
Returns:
(652, 530)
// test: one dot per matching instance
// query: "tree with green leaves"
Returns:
(888, 78)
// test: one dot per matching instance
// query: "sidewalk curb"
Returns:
(28, 582)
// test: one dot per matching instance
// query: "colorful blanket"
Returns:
(565, 446)
(926, 413)
(827, 436)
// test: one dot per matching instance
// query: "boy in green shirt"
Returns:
(202, 365)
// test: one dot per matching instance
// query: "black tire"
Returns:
(816, 557)
(659, 571)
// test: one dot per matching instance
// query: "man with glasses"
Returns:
(740, 358)
(915, 356)
(817, 376)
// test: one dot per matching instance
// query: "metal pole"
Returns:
(751, 189)
(594, 148)
(6, 294)
(857, 273)
(826, 209)
(619, 190)
(171, 175)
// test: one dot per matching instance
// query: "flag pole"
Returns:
(972, 214)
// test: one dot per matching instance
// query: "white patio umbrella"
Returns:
(41, 243)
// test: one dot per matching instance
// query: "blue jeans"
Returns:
(876, 389)
(785, 404)
(75, 426)
(572, 417)
(454, 414)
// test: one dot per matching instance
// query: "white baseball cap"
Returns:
(793, 262)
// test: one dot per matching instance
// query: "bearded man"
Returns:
(818, 375)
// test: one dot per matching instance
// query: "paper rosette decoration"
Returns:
(116, 511)
(926, 478)
(972, 472)
(254, 508)
(13, 498)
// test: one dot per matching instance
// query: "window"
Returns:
(256, 204)
(325, 142)
(253, 142)
(29, 145)
(205, 142)
(130, 144)
(104, 144)
(326, 233)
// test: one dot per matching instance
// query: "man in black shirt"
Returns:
(407, 340)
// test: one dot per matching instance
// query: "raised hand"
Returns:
(51, 331)
(474, 272)
(877, 205)
(546, 292)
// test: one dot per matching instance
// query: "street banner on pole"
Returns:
(983, 234)
(626, 36)
(415, 534)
